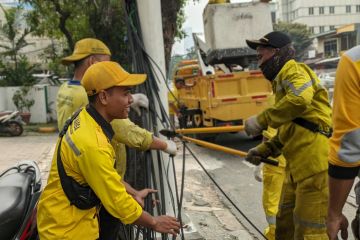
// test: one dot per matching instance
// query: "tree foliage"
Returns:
(75, 20)
(15, 68)
(299, 34)
(12, 34)
(21, 99)
(173, 18)
(103, 19)
(19, 76)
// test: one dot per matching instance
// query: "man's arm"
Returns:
(139, 196)
(339, 190)
(131, 135)
(173, 106)
(105, 182)
(134, 136)
(163, 224)
(129, 189)
(341, 180)
(167, 146)
(158, 144)
(97, 167)
(299, 92)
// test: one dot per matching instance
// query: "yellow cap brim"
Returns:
(74, 58)
(133, 80)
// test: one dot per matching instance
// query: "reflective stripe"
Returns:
(350, 147)
(297, 92)
(308, 224)
(271, 220)
(72, 145)
(354, 53)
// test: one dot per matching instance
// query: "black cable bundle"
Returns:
(141, 168)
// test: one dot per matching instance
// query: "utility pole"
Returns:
(152, 34)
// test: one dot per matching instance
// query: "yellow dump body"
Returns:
(222, 99)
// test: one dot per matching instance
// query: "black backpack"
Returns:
(83, 197)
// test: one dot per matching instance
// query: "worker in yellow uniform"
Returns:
(273, 178)
(82, 177)
(174, 100)
(302, 115)
(72, 96)
(344, 155)
(173, 97)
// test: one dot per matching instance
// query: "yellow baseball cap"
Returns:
(107, 74)
(86, 47)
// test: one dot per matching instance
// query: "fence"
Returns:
(44, 108)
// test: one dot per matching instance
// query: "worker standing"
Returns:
(302, 115)
(273, 178)
(72, 96)
(344, 155)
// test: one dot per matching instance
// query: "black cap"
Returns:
(274, 39)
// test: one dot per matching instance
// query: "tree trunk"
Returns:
(64, 15)
(169, 10)
(108, 24)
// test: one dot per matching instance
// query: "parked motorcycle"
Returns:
(11, 123)
(20, 189)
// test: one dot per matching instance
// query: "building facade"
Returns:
(34, 51)
(322, 15)
(333, 43)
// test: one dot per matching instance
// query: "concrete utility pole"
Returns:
(152, 33)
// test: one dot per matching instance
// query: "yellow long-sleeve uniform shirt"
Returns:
(303, 202)
(173, 98)
(72, 96)
(298, 93)
(345, 141)
(88, 158)
(129, 134)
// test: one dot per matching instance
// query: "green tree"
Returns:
(14, 66)
(51, 55)
(101, 19)
(299, 34)
(173, 17)
(22, 75)
(12, 35)
(75, 20)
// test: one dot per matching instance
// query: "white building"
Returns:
(320, 15)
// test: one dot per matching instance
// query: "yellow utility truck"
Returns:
(219, 88)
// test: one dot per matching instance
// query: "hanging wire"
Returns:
(142, 63)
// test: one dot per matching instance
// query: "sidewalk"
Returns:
(204, 212)
(37, 147)
(205, 215)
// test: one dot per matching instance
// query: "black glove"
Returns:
(257, 153)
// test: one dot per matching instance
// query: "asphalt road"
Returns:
(235, 176)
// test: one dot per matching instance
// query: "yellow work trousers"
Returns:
(303, 208)
(273, 179)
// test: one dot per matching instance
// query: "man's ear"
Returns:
(92, 60)
(103, 97)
